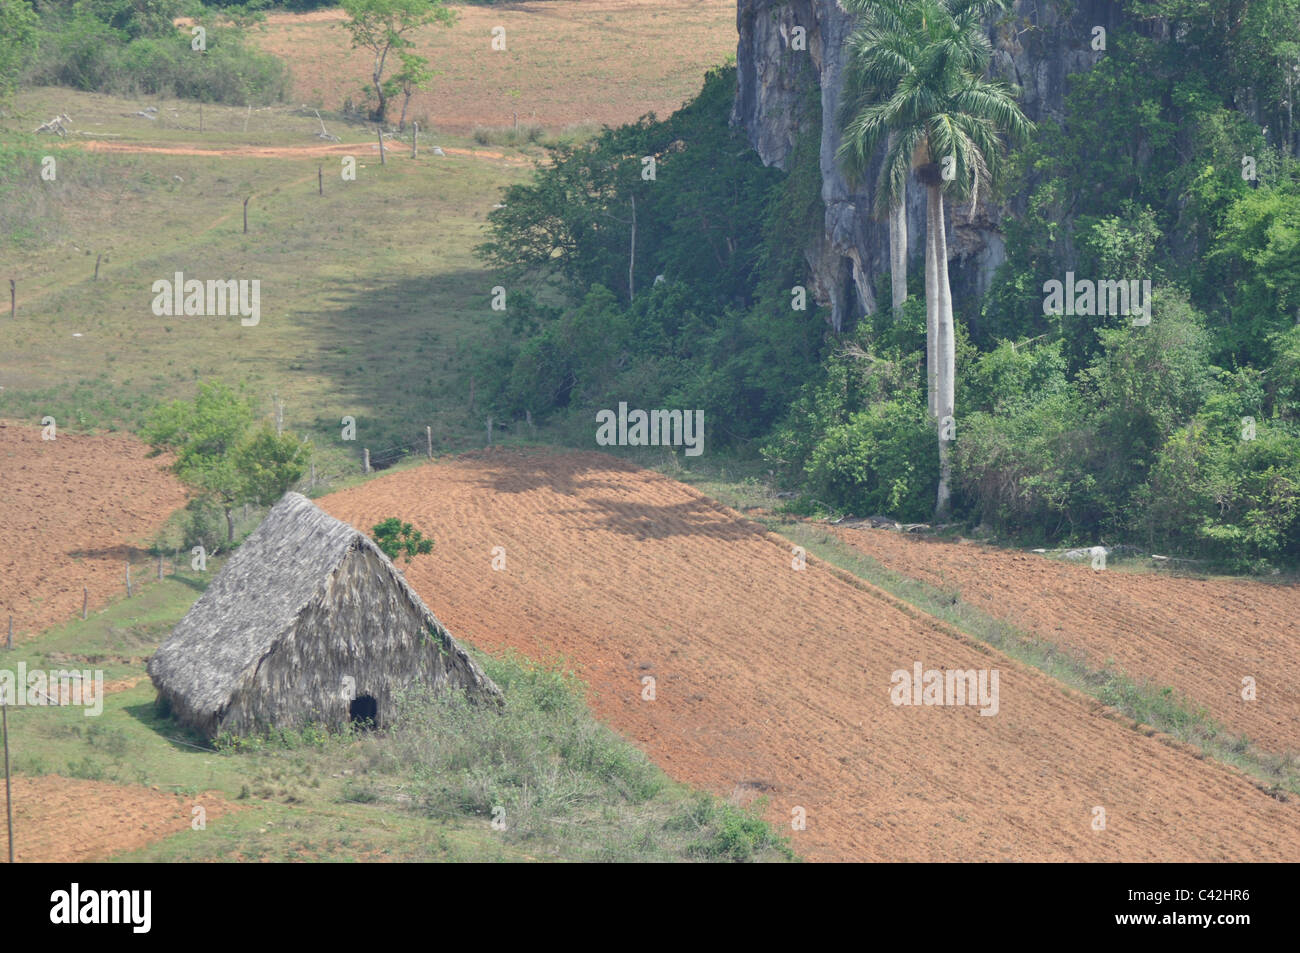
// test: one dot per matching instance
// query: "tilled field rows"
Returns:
(1201, 636)
(73, 511)
(774, 680)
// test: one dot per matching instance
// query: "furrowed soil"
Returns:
(1200, 636)
(57, 820)
(73, 512)
(776, 682)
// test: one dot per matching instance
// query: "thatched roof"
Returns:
(283, 573)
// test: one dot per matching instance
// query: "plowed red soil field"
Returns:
(73, 511)
(61, 819)
(775, 680)
(1201, 636)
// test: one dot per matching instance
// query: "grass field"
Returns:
(372, 302)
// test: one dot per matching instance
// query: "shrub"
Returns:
(881, 460)
(1025, 469)
(85, 52)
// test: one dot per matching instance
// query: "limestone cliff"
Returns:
(1036, 48)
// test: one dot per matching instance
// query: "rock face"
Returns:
(780, 85)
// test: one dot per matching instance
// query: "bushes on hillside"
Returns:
(109, 51)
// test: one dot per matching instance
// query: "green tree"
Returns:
(1256, 259)
(18, 41)
(414, 74)
(396, 538)
(222, 452)
(385, 26)
(924, 97)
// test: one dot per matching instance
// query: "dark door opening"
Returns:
(364, 711)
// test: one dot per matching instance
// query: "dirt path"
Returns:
(309, 151)
(57, 820)
(778, 681)
(72, 512)
(1201, 636)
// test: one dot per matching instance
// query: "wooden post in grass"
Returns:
(365, 465)
(311, 480)
(382, 159)
(10, 642)
(320, 180)
(85, 602)
(415, 140)
(13, 301)
(97, 259)
(428, 435)
(128, 580)
(9, 794)
(489, 430)
(160, 567)
(246, 215)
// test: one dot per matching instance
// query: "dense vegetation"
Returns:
(695, 312)
(134, 48)
(1183, 434)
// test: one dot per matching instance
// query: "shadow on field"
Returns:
(397, 354)
(605, 502)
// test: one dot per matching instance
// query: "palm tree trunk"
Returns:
(946, 347)
(898, 244)
(898, 252)
(931, 310)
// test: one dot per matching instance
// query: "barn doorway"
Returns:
(364, 711)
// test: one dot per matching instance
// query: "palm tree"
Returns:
(915, 82)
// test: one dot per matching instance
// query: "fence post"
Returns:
(97, 258)
(320, 179)
(382, 159)
(428, 435)
(246, 215)
(9, 796)
(13, 301)
(160, 567)
(489, 431)
(128, 580)
(85, 602)
(415, 142)
(10, 642)
(366, 464)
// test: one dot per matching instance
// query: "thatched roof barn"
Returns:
(307, 622)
